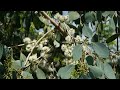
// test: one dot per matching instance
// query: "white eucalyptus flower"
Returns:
(63, 47)
(40, 46)
(34, 42)
(68, 53)
(45, 42)
(66, 17)
(27, 40)
(61, 18)
(72, 31)
(68, 39)
(41, 33)
(78, 39)
(42, 54)
(33, 57)
(46, 49)
(56, 15)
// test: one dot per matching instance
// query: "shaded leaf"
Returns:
(89, 17)
(40, 74)
(77, 52)
(89, 60)
(112, 24)
(109, 71)
(22, 57)
(1, 50)
(96, 71)
(95, 38)
(65, 72)
(1, 67)
(99, 16)
(112, 38)
(101, 49)
(37, 23)
(26, 75)
(17, 64)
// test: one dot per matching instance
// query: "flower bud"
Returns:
(28, 47)
(78, 39)
(33, 57)
(63, 47)
(68, 39)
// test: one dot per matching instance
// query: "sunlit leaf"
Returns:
(101, 49)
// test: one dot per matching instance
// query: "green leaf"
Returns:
(22, 57)
(100, 64)
(112, 38)
(77, 52)
(106, 13)
(73, 15)
(65, 72)
(101, 49)
(89, 60)
(112, 24)
(16, 64)
(1, 50)
(110, 74)
(87, 31)
(40, 74)
(89, 17)
(96, 71)
(26, 75)
(37, 23)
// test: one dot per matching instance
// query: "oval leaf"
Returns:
(96, 71)
(109, 71)
(73, 15)
(77, 52)
(89, 17)
(112, 38)
(40, 74)
(101, 49)
(16, 64)
(65, 72)
(22, 57)
(87, 31)
(26, 75)
(112, 24)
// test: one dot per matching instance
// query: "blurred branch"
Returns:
(53, 22)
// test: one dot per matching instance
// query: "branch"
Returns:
(54, 23)
(35, 46)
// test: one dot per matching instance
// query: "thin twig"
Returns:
(35, 46)
(54, 23)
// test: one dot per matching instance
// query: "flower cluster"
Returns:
(61, 18)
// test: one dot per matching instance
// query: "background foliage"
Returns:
(79, 45)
